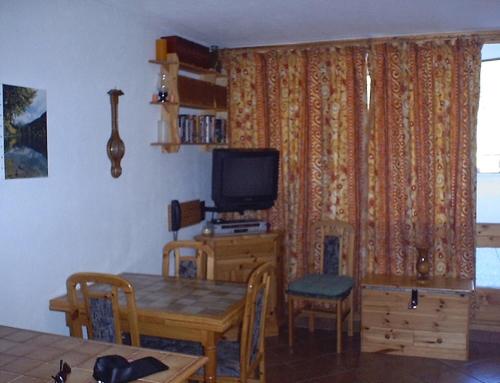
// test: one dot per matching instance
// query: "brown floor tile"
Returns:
(314, 360)
(487, 370)
(7, 376)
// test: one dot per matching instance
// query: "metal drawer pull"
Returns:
(414, 300)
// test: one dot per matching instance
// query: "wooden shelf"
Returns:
(165, 104)
(171, 147)
(206, 93)
(207, 109)
(189, 105)
(190, 68)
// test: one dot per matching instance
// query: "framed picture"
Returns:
(24, 132)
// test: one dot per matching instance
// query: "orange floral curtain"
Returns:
(419, 181)
(311, 105)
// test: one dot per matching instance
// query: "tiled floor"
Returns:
(315, 361)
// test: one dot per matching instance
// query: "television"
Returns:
(244, 179)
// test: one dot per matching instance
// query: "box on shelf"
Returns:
(220, 95)
(189, 52)
(195, 93)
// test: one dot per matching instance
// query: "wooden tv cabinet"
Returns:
(437, 326)
(235, 258)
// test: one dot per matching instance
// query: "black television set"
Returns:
(244, 179)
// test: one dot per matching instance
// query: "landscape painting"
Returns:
(25, 132)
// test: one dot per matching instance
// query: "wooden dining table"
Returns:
(179, 308)
(31, 356)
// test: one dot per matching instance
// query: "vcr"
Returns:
(244, 226)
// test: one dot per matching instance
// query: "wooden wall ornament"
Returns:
(115, 146)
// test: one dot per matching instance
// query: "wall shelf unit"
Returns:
(204, 90)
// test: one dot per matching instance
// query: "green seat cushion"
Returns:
(322, 286)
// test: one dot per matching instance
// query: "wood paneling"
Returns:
(487, 235)
(486, 313)
(486, 307)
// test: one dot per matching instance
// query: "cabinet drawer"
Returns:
(238, 269)
(414, 321)
(235, 257)
(258, 248)
(415, 343)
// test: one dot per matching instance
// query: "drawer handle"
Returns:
(414, 300)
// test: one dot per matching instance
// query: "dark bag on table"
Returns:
(117, 369)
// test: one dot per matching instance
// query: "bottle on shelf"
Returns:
(203, 89)
(163, 131)
(163, 87)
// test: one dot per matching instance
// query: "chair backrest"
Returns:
(99, 294)
(332, 248)
(254, 320)
(193, 265)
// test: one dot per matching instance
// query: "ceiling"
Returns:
(238, 23)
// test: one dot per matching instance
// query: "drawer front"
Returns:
(430, 339)
(237, 268)
(256, 247)
(415, 343)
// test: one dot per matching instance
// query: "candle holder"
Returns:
(423, 264)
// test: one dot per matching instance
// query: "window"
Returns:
(488, 165)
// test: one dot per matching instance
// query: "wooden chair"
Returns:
(244, 360)
(332, 282)
(187, 266)
(101, 295)
(252, 351)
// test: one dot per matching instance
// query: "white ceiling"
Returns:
(237, 23)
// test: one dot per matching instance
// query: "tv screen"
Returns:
(244, 179)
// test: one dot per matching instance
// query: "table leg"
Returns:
(211, 353)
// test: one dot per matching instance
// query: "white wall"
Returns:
(80, 218)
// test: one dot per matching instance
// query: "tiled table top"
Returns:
(33, 357)
(181, 296)
(185, 296)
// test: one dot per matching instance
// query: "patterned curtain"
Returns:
(311, 105)
(420, 184)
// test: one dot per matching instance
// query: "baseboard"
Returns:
(484, 336)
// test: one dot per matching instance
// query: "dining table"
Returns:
(180, 308)
(34, 357)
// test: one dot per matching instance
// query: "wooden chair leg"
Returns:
(350, 328)
(311, 322)
(339, 327)
(290, 321)
(262, 370)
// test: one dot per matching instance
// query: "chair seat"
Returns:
(173, 345)
(322, 286)
(228, 353)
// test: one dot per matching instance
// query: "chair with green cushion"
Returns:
(329, 282)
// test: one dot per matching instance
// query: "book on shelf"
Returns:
(202, 129)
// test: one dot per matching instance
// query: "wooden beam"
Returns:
(488, 235)
(487, 37)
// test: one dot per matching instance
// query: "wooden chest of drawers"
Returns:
(435, 324)
(235, 256)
